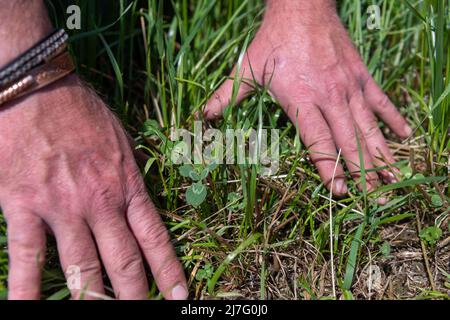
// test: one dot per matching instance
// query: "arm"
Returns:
(66, 166)
(324, 87)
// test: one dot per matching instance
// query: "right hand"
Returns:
(66, 166)
(315, 72)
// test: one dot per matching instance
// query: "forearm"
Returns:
(22, 24)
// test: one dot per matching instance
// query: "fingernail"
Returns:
(341, 186)
(388, 177)
(382, 201)
(392, 178)
(408, 130)
(179, 292)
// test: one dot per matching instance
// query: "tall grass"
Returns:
(435, 42)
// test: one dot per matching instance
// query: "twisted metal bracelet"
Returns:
(45, 49)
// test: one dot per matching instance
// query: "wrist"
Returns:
(23, 24)
(301, 4)
(54, 99)
(302, 11)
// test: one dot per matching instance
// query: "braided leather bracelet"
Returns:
(44, 63)
(33, 57)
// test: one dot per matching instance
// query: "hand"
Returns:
(67, 166)
(303, 53)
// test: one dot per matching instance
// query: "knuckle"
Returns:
(321, 140)
(218, 97)
(26, 252)
(135, 182)
(109, 189)
(17, 205)
(397, 117)
(84, 258)
(23, 292)
(370, 130)
(26, 249)
(383, 102)
(169, 271)
(351, 147)
(155, 235)
(104, 219)
(90, 267)
(108, 195)
(128, 266)
(335, 90)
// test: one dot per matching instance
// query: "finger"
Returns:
(339, 117)
(376, 144)
(79, 260)
(222, 97)
(383, 107)
(120, 255)
(154, 241)
(26, 248)
(316, 135)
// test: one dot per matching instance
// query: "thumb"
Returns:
(220, 99)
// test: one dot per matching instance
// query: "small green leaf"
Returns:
(406, 171)
(430, 235)
(148, 165)
(204, 173)
(232, 196)
(212, 166)
(185, 170)
(385, 249)
(205, 273)
(196, 194)
(178, 152)
(419, 176)
(436, 201)
(194, 175)
(233, 203)
(151, 127)
(201, 274)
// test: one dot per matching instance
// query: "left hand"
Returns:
(318, 77)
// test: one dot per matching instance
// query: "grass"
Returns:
(157, 62)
